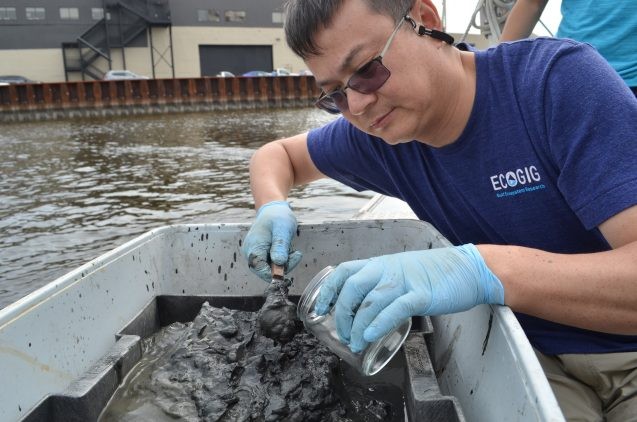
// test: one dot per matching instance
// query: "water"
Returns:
(72, 190)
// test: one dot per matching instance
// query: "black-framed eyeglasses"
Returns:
(373, 74)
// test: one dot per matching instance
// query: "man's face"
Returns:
(405, 106)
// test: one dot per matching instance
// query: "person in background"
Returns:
(523, 155)
(608, 25)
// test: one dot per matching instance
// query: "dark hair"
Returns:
(304, 18)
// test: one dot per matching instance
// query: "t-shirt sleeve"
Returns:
(345, 154)
(591, 125)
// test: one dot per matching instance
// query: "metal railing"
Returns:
(90, 52)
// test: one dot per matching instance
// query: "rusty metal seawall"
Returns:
(62, 100)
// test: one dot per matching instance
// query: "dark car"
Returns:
(257, 73)
(15, 79)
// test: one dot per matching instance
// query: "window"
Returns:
(69, 13)
(35, 13)
(97, 13)
(277, 17)
(7, 14)
(208, 15)
(235, 15)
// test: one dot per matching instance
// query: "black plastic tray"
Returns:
(88, 395)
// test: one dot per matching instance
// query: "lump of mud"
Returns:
(220, 368)
(277, 318)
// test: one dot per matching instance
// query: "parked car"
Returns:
(257, 73)
(116, 75)
(306, 72)
(15, 79)
(281, 71)
(225, 74)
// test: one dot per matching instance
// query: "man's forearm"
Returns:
(522, 19)
(271, 174)
(595, 291)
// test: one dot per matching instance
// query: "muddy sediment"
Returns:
(277, 317)
(220, 367)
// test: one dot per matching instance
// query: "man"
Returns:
(524, 155)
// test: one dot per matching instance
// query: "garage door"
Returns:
(237, 59)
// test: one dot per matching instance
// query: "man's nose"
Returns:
(358, 103)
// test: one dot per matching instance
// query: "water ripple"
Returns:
(72, 190)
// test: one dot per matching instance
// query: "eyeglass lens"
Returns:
(370, 77)
(366, 80)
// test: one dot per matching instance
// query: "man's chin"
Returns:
(395, 140)
(385, 134)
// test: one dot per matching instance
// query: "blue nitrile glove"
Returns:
(269, 240)
(376, 295)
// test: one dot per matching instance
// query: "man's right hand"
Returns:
(270, 239)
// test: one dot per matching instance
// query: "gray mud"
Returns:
(277, 318)
(220, 367)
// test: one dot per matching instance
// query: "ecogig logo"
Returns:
(514, 182)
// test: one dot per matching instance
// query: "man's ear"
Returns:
(425, 12)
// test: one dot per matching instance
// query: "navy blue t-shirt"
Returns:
(548, 154)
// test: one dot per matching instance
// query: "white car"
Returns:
(225, 74)
(116, 75)
(281, 71)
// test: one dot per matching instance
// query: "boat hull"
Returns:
(65, 339)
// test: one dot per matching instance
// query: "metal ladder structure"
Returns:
(124, 22)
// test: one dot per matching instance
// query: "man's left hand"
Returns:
(376, 295)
